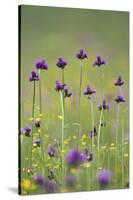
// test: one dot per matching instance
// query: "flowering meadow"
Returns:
(74, 129)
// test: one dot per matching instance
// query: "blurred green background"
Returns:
(51, 32)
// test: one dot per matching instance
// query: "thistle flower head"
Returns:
(104, 105)
(89, 91)
(66, 92)
(59, 86)
(99, 62)
(41, 64)
(39, 180)
(104, 177)
(50, 186)
(120, 99)
(81, 55)
(119, 81)
(26, 131)
(34, 76)
(37, 142)
(74, 158)
(37, 123)
(61, 63)
(52, 150)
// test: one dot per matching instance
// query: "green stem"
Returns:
(116, 141)
(92, 121)
(40, 135)
(33, 112)
(99, 130)
(62, 137)
(40, 92)
(79, 101)
(63, 92)
(122, 160)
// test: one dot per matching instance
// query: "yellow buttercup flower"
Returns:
(26, 184)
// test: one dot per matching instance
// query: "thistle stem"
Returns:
(98, 142)
(40, 93)
(33, 112)
(116, 140)
(122, 160)
(79, 100)
(63, 92)
(92, 121)
(62, 137)
(40, 109)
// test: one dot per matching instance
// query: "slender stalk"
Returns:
(62, 136)
(116, 140)
(40, 92)
(79, 100)
(33, 112)
(99, 131)
(63, 92)
(122, 150)
(40, 109)
(92, 122)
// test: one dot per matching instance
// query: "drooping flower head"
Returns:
(66, 92)
(36, 142)
(34, 76)
(120, 99)
(89, 91)
(39, 180)
(59, 86)
(81, 55)
(99, 62)
(51, 186)
(74, 158)
(70, 180)
(104, 105)
(52, 150)
(37, 123)
(119, 81)
(41, 64)
(61, 63)
(104, 177)
(26, 131)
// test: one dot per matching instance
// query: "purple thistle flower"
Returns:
(98, 62)
(104, 105)
(104, 177)
(70, 180)
(66, 92)
(120, 99)
(41, 64)
(34, 76)
(119, 81)
(61, 63)
(90, 156)
(39, 180)
(26, 131)
(59, 86)
(89, 91)
(52, 150)
(37, 123)
(81, 55)
(50, 186)
(37, 142)
(74, 158)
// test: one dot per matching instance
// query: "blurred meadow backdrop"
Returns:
(49, 33)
